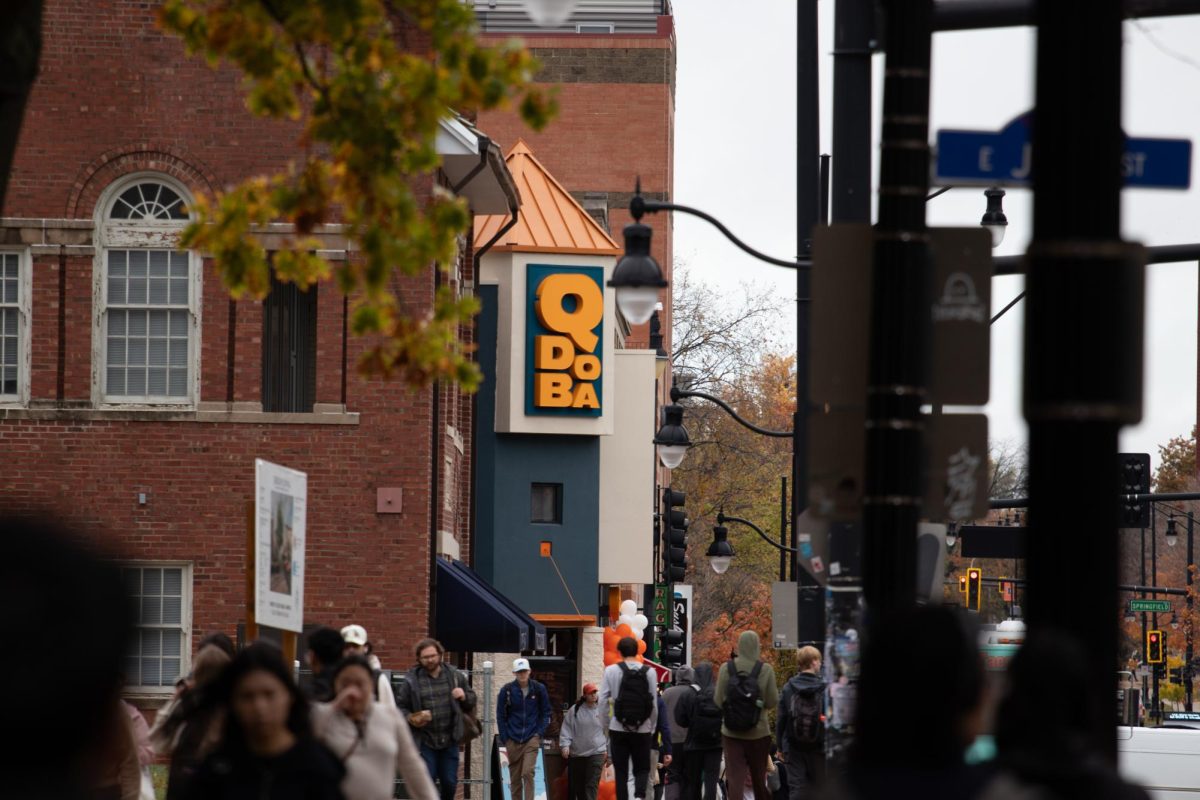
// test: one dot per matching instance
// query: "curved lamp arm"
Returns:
(722, 519)
(640, 205)
(677, 393)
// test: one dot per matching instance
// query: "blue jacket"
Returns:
(522, 717)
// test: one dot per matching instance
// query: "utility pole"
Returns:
(899, 331)
(1187, 666)
(1075, 414)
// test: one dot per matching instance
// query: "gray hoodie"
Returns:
(685, 676)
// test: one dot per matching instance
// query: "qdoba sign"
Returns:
(564, 347)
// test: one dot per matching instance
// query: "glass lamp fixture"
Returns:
(993, 218)
(1172, 531)
(672, 440)
(549, 13)
(720, 552)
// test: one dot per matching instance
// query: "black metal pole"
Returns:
(899, 331)
(783, 528)
(809, 599)
(823, 203)
(1075, 413)
(1145, 627)
(1187, 664)
(853, 27)
(1154, 617)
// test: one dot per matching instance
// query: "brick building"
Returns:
(135, 394)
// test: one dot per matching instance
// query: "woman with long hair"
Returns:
(369, 737)
(267, 750)
(190, 726)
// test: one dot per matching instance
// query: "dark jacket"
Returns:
(801, 681)
(306, 772)
(662, 731)
(409, 700)
(685, 676)
(687, 706)
(521, 717)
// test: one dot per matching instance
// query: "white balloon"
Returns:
(637, 634)
(628, 608)
(640, 622)
(626, 619)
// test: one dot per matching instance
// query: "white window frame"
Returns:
(24, 327)
(141, 235)
(185, 622)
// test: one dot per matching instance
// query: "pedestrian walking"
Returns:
(800, 725)
(325, 647)
(355, 637)
(661, 756)
(699, 714)
(522, 714)
(434, 696)
(189, 727)
(745, 687)
(113, 772)
(583, 742)
(630, 712)
(684, 677)
(267, 749)
(369, 737)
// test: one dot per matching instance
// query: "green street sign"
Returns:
(1155, 606)
(660, 608)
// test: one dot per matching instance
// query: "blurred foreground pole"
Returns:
(1083, 340)
(899, 332)
(20, 49)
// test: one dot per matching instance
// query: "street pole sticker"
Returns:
(280, 505)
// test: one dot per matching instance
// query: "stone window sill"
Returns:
(228, 413)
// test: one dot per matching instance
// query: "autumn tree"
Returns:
(368, 81)
(1176, 465)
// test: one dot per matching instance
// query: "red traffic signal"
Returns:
(974, 588)
(1155, 647)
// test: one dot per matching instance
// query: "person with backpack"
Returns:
(522, 715)
(800, 725)
(745, 690)
(628, 700)
(698, 713)
(684, 676)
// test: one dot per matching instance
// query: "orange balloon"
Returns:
(641, 659)
(623, 631)
(607, 791)
(641, 647)
(611, 658)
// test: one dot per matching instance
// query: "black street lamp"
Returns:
(637, 278)
(720, 552)
(672, 440)
(993, 218)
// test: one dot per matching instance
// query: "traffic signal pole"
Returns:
(1078, 261)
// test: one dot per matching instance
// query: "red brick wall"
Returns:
(615, 123)
(116, 96)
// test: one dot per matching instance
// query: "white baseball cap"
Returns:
(355, 634)
(520, 664)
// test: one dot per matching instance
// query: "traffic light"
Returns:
(672, 648)
(962, 584)
(1156, 646)
(675, 525)
(974, 588)
(1135, 479)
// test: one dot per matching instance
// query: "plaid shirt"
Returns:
(434, 696)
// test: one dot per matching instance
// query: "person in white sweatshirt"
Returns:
(370, 738)
(631, 719)
(584, 743)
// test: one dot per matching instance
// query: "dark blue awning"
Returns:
(473, 616)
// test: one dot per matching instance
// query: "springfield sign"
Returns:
(564, 347)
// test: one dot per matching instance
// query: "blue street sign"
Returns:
(1003, 158)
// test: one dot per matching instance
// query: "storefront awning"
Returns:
(474, 617)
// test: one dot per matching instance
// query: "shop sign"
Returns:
(564, 347)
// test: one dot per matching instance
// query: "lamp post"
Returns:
(720, 552)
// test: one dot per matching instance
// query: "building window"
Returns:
(289, 348)
(160, 605)
(149, 311)
(14, 327)
(546, 503)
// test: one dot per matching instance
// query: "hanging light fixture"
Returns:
(637, 278)
(951, 535)
(672, 440)
(993, 218)
(1172, 532)
(720, 552)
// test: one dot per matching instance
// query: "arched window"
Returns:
(148, 314)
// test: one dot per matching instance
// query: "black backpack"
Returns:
(805, 712)
(743, 706)
(634, 703)
(704, 729)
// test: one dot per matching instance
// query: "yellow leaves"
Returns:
(371, 111)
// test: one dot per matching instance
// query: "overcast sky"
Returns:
(735, 158)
